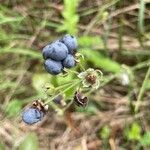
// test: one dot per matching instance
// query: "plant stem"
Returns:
(140, 95)
(52, 98)
(141, 16)
(141, 65)
(64, 85)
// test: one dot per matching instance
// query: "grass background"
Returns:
(112, 35)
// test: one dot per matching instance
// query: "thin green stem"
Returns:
(142, 90)
(141, 65)
(52, 98)
(70, 103)
(141, 16)
(64, 85)
(70, 71)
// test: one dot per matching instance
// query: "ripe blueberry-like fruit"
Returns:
(53, 67)
(69, 61)
(32, 115)
(56, 51)
(71, 42)
(47, 51)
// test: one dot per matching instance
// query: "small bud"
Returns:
(126, 75)
(124, 79)
(59, 100)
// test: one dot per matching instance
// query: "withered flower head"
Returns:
(80, 99)
(91, 78)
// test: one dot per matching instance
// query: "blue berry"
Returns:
(53, 67)
(71, 42)
(69, 61)
(56, 51)
(47, 51)
(32, 115)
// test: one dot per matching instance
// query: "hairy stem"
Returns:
(142, 90)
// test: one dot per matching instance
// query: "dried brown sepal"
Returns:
(38, 104)
(91, 79)
(80, 99)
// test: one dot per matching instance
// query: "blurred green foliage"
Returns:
(30, 142)
(102, 61)
(105, 132)
(13, 108)
(91, 42)
(2, 146)
(39, 81)
(71, 18)
(145, 139)
(134, 132)
(90, 109)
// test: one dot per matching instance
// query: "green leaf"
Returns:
(7, 84)
(101, 61)
(70, 93)
(62, 80)
(90, 109)
(29, 143)
(69, 79)
(134, 133)
(105, 132)
(147, 85)
(89, 41)
(13, 108)
(39, 81)
(2, 146)
(145, 140)
(6, 19)
(22, 51)
(70, 17)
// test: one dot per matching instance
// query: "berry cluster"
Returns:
(60, 54)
